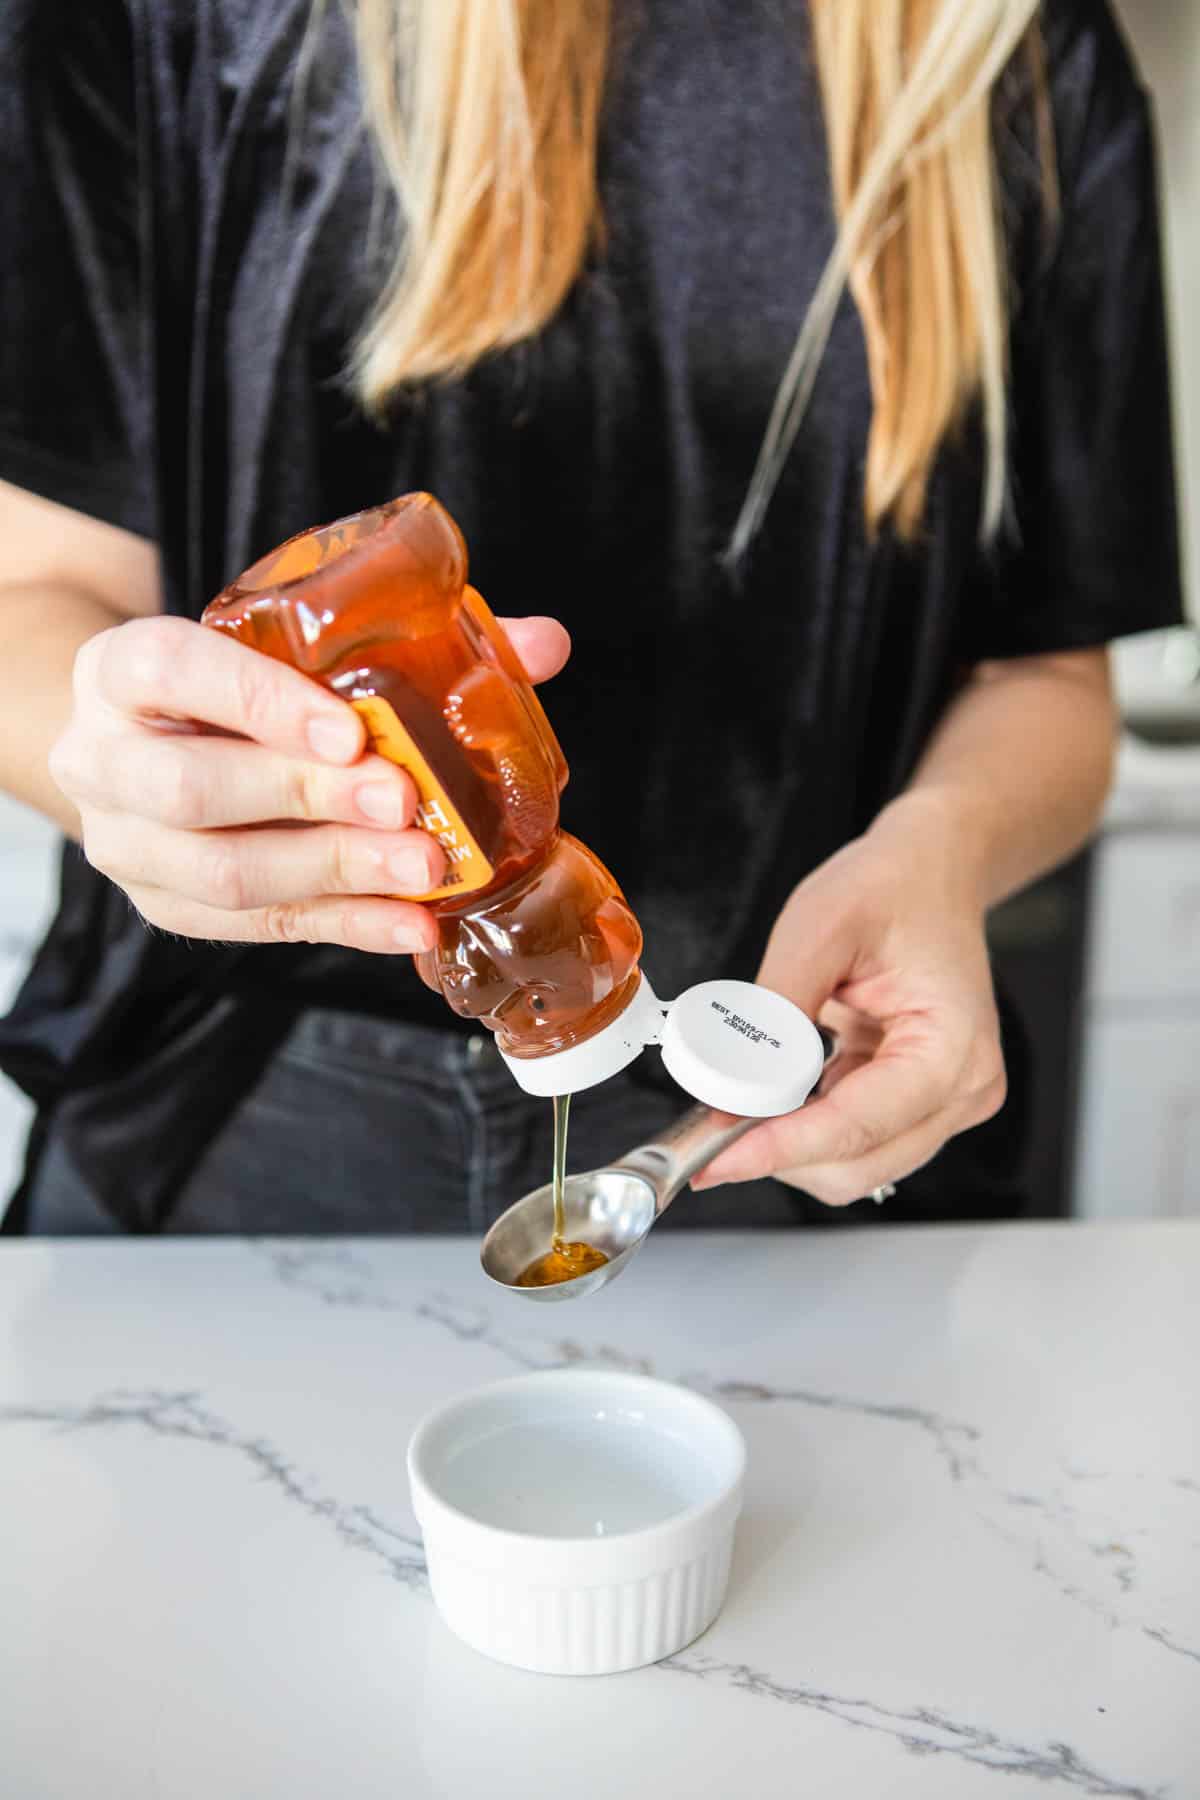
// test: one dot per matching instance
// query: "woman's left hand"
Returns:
(884, 943)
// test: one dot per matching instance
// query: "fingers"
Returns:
(835, 1073)
(541, 644)
(163, 810)
(836, 1183)
(900, 1087)
(382, 927)
(830, 947)
(197, 783)
(173, 668)
(840, 1184)
(880, 1121)
(239, 871)
(167, 667)
(858, 1034)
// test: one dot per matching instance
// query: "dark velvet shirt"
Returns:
(178, 292)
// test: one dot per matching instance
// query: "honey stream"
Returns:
(563, 1261)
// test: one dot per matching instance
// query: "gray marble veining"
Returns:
(958, 1443)
(969, 1562)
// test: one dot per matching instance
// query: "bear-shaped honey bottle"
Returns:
(535, 940)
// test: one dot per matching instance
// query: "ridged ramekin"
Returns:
(552, 1598)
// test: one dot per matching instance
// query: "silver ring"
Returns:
(886, 1192)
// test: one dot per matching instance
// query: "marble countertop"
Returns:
(969, 1563)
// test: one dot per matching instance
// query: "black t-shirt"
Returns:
(178, 292)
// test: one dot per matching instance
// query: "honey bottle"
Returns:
(535, 940)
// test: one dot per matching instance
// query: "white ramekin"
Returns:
(578, 1522)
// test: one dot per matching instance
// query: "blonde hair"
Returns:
(486, 118)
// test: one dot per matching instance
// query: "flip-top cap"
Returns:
(742, 1048)
(732, 1044)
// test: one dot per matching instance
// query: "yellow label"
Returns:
(467, 868)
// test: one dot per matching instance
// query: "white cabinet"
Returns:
(1166, 41)
(28, 850)
(1139, 1144)
(1139, 1152)
(1146, 922)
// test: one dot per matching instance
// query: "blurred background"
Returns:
(1103, 958)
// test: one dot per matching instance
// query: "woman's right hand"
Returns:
(229, 796)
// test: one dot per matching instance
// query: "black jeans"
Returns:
(361, 1126)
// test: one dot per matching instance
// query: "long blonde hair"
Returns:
(486, 115)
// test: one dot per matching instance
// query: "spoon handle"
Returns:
(669, 1163)
(692, 1141)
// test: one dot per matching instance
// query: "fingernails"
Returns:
(333, 740)
(410, 869)
(382, 803)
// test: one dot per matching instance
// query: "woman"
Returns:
(805, 360)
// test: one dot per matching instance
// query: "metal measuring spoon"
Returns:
(612, 1209)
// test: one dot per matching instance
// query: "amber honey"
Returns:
(535, 939)
(563, 1261)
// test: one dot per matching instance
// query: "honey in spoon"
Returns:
(563, 1261)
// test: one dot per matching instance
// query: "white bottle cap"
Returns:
(742, 1048)
(736, 1046)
